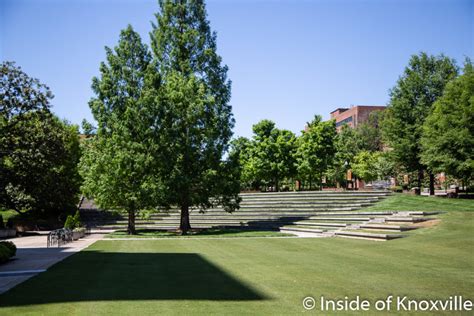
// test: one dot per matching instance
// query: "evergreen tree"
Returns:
(194, 116)
(448, 132)
(411, 100)
(118, 162)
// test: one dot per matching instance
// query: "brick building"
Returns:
(354, 115)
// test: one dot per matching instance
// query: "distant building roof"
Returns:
(339, 109)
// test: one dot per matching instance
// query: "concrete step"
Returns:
(223, 221)
(239, 215)
(340, 219)
(194, 225)
(406, 219)
(247, 216)
(299, 206)
(316, 193)
(366, 235)
(309, 202)
(352, 213)
(320, 224)
(285, 229)
(400, 228)
(311, 198)
(243, 216)
(418, 213)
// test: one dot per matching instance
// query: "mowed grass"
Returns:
(406, 202)
(264, 276)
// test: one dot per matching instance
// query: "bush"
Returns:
(396, 188)
(7, 250)
(2, 225)
(69, 222)
(77, 220)
(4, 254)
(73, 221)
(10, 245)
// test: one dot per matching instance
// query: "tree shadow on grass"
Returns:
(108, 276)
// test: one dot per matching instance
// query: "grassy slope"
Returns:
(256, 276)
(404, 202)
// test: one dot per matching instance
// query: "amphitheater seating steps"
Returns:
(320, 213)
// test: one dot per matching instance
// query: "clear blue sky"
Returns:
(288, 60)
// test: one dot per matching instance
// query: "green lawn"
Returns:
(264, 276)
(406, 202)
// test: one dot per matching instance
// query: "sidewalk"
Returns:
(32, 257)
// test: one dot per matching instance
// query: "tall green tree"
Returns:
(240, 151)
(194, 116)
(411, 100)
(41, 169)
(346, 145)
(270, 154)
(118, 161)
(38, 152)
(315, 150)
(448, 132)
(20, 94)
(365, 165)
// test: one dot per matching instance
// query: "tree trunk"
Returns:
(131, 223)
(420, 177)
(277, 185)
(184, 225)
(432, 180)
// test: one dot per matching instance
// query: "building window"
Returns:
(344, 121)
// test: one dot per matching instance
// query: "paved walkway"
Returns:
(32, 257)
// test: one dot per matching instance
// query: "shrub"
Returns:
(396, 188)
(77, 220)
(69, 222)
(73, 221)
(2, 225)
(10, 246)
(7, 250)
(4, 254)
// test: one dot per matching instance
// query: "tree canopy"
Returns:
(448, 132)
(39, 152)
(268, 157)
(411, 100)
(315, 150)
(195, 116)
(118, 162)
